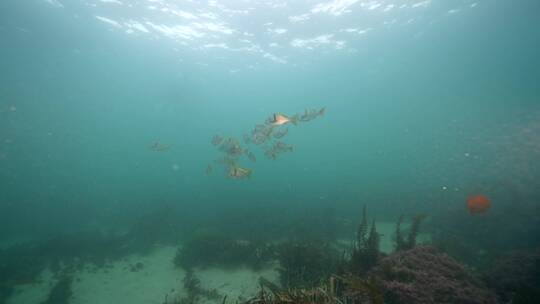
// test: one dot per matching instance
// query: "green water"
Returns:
(436, 101)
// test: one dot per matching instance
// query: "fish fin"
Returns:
(322, 110)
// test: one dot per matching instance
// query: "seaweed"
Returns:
(305, 264)
(361, 290)
(361, 234)
(192, 285)
(335, 290)
(365, 252)
(399, 239)
(325, 293)
(61, 292)
(214, 249)
(408, 242)
(425, 275)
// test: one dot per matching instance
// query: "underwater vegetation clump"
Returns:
(365, 252)
(421, 275)
(334, 290)
(325, 292)
(192, 286)
(408, 242)
(515, 277)
(214, 249)
(305, 263)
(412, 274)
(425, 275)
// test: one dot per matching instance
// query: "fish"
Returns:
(265, 130)
(259, 138)
(277, 148)
(270, 154)
(280, 146)
(260, 134)
(235, 151)
(231, 146)
(279, 119)
(157, 146)
(236, 172)
(281, 133)
(312, 114)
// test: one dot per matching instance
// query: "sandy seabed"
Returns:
(150, 285)
(158, 279)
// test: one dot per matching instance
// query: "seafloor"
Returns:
(158, 279)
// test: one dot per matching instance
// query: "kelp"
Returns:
(305, 264)
(407, 242)
(365, 252)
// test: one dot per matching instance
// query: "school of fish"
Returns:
(267, 136)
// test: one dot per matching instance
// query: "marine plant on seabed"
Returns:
(305, 263)
(425, 275)
(409, 242)
(194, 292)
(365, 252)
(412, 274)
(349, 289)
(210, 248)
(351, 286)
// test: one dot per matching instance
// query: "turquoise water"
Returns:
(427, 102)
(109, 110)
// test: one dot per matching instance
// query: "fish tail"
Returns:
(322, 110)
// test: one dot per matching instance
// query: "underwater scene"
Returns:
(269, 151)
